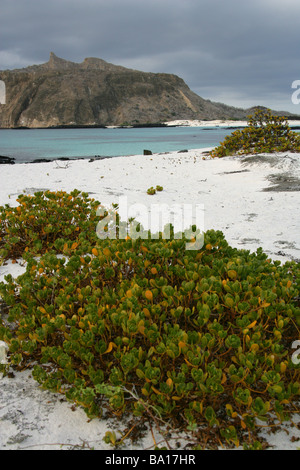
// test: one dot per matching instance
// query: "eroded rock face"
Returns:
(95, 92)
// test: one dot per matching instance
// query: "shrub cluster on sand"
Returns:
(194, 341)
(265, 133)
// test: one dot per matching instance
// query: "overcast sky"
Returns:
(239, 52)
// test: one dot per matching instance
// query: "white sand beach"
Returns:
(217, 123)
(255, 202)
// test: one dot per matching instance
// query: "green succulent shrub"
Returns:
(47, 221)
(265, 133)
(151, 191)
(200, 340)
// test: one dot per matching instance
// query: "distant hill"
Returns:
(97, 93)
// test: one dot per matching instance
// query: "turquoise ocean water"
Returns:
(28, 145)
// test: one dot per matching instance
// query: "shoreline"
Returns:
(5, 160)
(206, 125)
(226, 123)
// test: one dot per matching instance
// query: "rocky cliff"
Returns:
(95, 92)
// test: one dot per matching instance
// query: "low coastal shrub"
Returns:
(151, 191)
(201, 341)
(47, 221)
(265, 133)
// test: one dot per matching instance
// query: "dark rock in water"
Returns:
(6, 160)
(48, 160)
(41, 160)
(99, 157)
(147, 152)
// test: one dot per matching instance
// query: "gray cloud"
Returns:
(237, 52)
